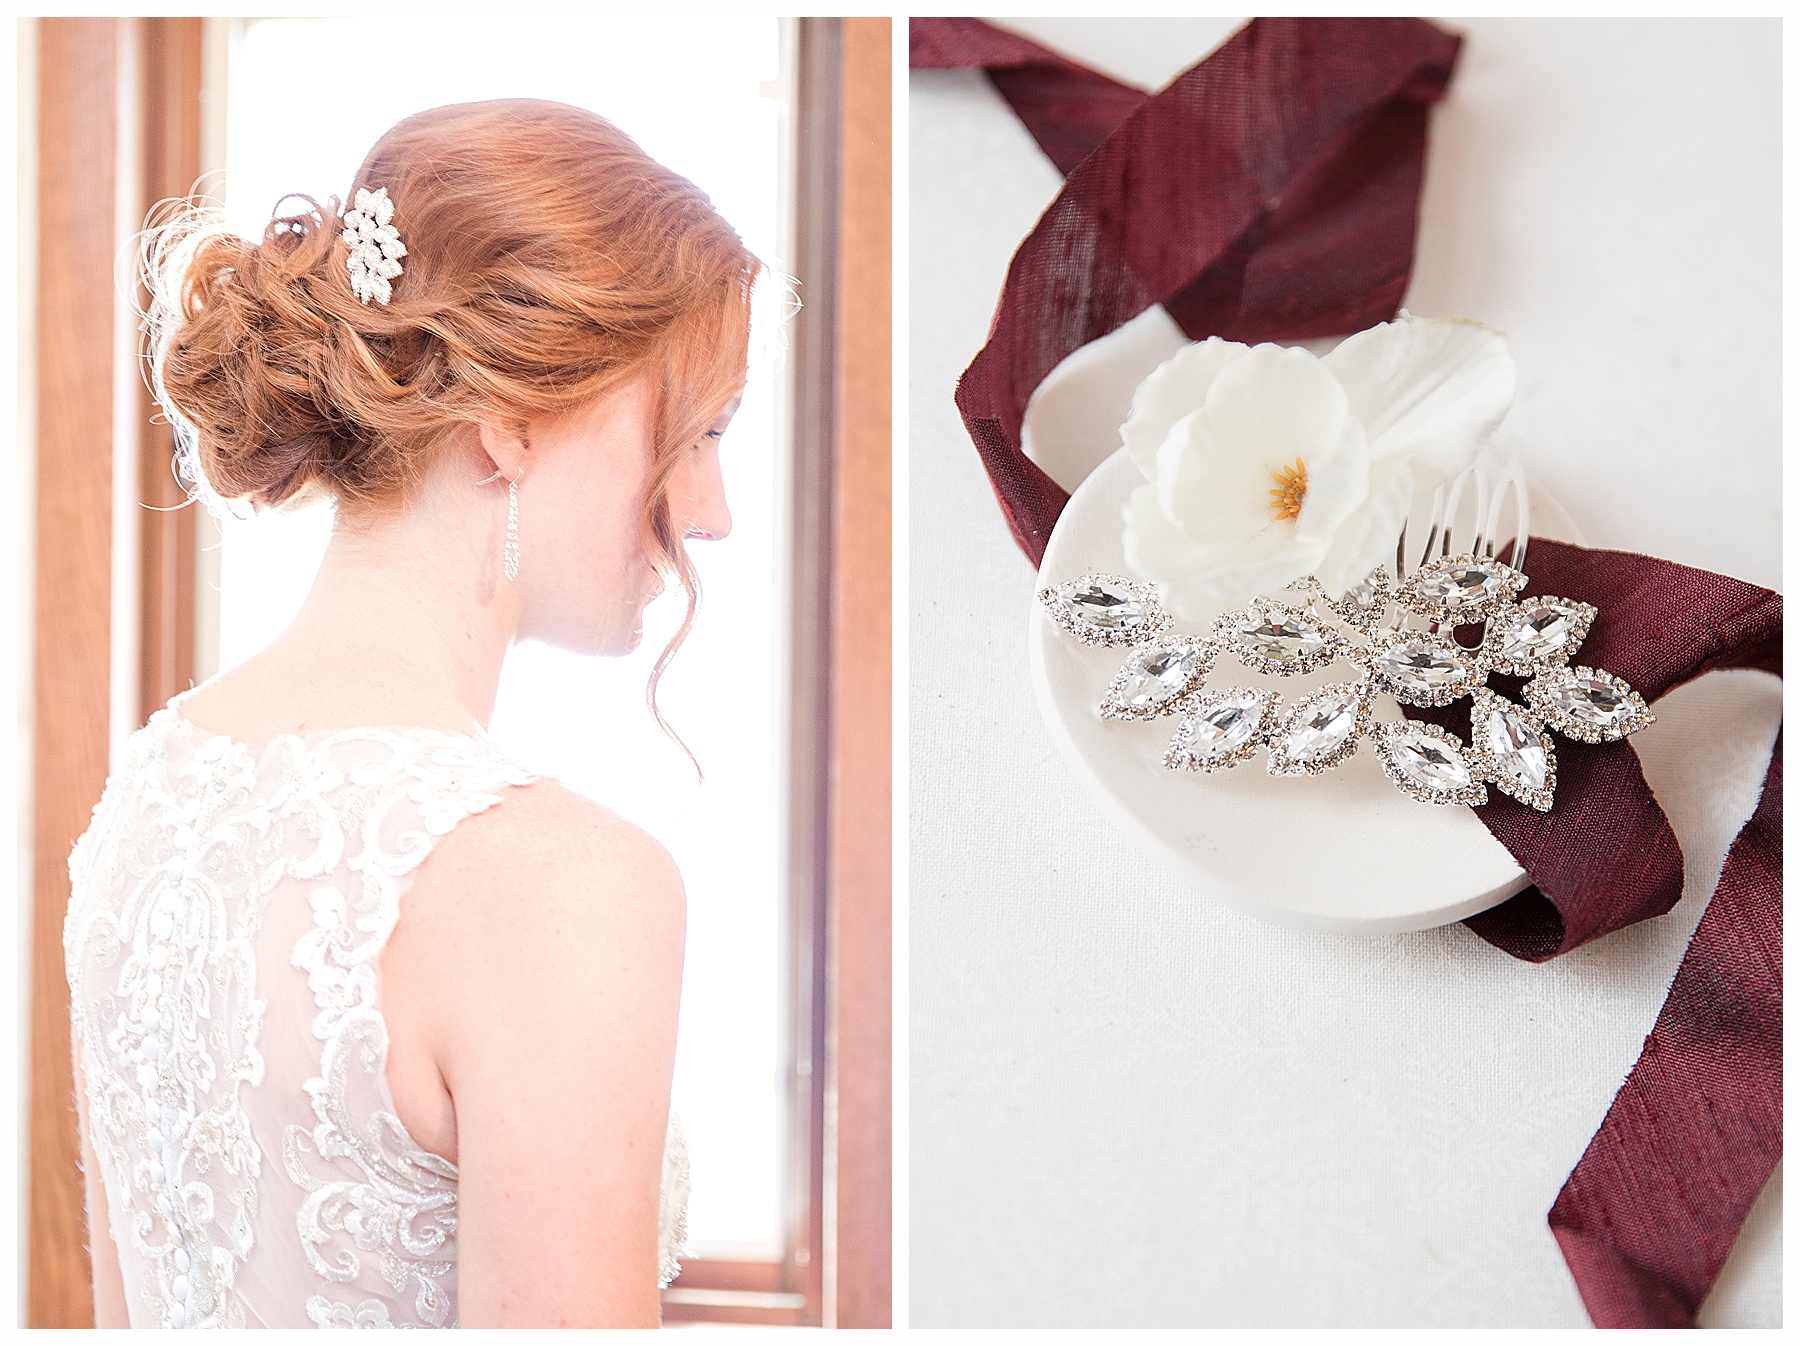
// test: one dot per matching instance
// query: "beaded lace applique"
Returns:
(170, 888)
(376, 1195)
(169, 1046)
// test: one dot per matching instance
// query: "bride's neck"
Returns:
(407, 622)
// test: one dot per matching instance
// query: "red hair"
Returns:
(549, 260)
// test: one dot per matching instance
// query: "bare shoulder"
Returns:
(566, 841)
(537, 898)
(551, 853)
(553, 1038)
(543, 930)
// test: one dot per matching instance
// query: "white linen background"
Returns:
(1131, 1106)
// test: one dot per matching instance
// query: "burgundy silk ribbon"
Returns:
(1068, 108)
(1271, 191)
(1650, 1212)
(1647, 1217)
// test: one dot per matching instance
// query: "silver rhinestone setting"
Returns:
(1303, 629)
(1365, 603)
(1428, 762)
(1460, 589)
(1157, 677)
(1524, 638)
(1278, 638)
(1419, 669)
(1321, 731)
(1221, 728)
(1509, 748)
(1587, 704)
(1106, 610)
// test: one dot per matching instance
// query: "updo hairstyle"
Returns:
(548, 261)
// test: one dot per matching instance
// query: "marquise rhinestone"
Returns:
(1419, 666)
(1536, 632)
(1280, 636)
(1513, 748)
(1160, 676)
(1322, 727)
(1429, 761)
(1462, 586)
(1224, 727)
(1590, 699)
(1106, 607)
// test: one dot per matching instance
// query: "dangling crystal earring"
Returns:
(512, 528)
(509, 555)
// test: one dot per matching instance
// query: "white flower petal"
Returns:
(1428, 390)
(1154, 547)
(1270, 560)
(1367, 538)
(1219, 493)
(1195, 580)
(1277, 404)
(1392, 411)
(1264, 412)
(1174, 389)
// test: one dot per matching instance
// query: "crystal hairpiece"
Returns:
(375, 246)
(1304, 629)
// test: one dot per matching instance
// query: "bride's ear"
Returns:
(507, 451)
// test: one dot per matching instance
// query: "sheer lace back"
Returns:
(229, 906)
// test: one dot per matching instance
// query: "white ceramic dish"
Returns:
(1343, 851)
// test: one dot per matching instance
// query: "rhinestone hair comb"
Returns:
(375, 246)
(1399, 631)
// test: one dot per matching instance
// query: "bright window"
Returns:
(709, 98)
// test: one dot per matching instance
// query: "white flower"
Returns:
(1266, 463)
(375, 246)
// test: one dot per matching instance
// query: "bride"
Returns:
(372, 1026)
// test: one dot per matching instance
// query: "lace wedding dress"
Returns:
(229, 907)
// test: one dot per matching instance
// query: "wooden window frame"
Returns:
(839, 858)
(119, 126)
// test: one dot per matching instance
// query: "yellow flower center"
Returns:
(1290, 489)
